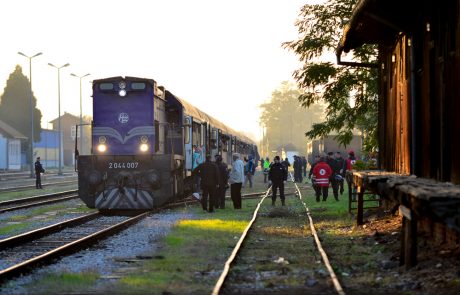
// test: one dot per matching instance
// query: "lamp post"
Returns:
(31, 145)
(59, 111)
(81, 116)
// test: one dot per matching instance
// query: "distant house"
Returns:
(330, 144)
(48, 148)
(288, 151)
(68, 128)
(10, 147)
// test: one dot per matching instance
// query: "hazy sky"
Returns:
(225, 57)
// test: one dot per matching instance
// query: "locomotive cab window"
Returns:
(138, 86)
(106, 86)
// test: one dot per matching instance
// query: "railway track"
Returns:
(28, 202)
(219, 287)
(22, 253)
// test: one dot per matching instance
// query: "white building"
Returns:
(10, 147)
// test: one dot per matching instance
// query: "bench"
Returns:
(417, 198)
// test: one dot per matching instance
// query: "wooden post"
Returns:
(359, 216)
(402, 249)
(409, 238)
(411, 243)
(350, 193)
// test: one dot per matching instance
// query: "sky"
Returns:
(223, 56)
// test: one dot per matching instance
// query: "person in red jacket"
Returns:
(321, 173)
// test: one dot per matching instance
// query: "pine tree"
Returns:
(15, 105)
(285, 120)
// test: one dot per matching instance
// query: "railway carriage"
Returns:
(142, 144)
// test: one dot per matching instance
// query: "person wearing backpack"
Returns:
(249, 171)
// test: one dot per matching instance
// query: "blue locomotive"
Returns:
(143, 138)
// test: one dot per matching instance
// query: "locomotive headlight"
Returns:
(144, 139)
(102, 139)
(144, 147)
(101, 147)
(122, 92)
(122, 85)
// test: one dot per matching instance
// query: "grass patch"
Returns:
(10, 228)
(65, 282)
(233, 226)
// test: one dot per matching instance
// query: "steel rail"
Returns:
(335, 280)
(28, 205)
(224, 274)
(68, 248)
(36, 198)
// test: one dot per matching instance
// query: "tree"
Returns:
(15, 105)
(283, 117)
(320, 29)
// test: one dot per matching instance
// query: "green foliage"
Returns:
(283, 117)
(365, 165)
(15, 105)
(320, 29)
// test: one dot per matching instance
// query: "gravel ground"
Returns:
(109, 255)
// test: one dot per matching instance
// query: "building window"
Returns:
(72, 132)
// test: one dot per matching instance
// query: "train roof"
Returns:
(204, 117)
(119, 78)
(189, 108)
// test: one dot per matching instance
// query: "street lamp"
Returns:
(81, 118)
(31, 146)
(59, 111)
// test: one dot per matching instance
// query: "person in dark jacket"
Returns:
(223, 182)
(209, 176)
(334, 165)
(342, 164)
(297, 169)
(304, 166)
(348, 167)
(277, 175)
(38, 170)
(286, 164)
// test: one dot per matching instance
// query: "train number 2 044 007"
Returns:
(123, 165)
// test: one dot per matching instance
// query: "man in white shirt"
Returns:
(236, 180)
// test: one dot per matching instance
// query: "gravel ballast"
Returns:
(108, 256)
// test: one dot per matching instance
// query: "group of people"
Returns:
(330, 170)
(214, 178)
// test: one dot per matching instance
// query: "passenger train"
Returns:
(143, 138)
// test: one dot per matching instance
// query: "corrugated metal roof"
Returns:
(10, 131)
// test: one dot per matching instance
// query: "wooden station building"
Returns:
(418, 45)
